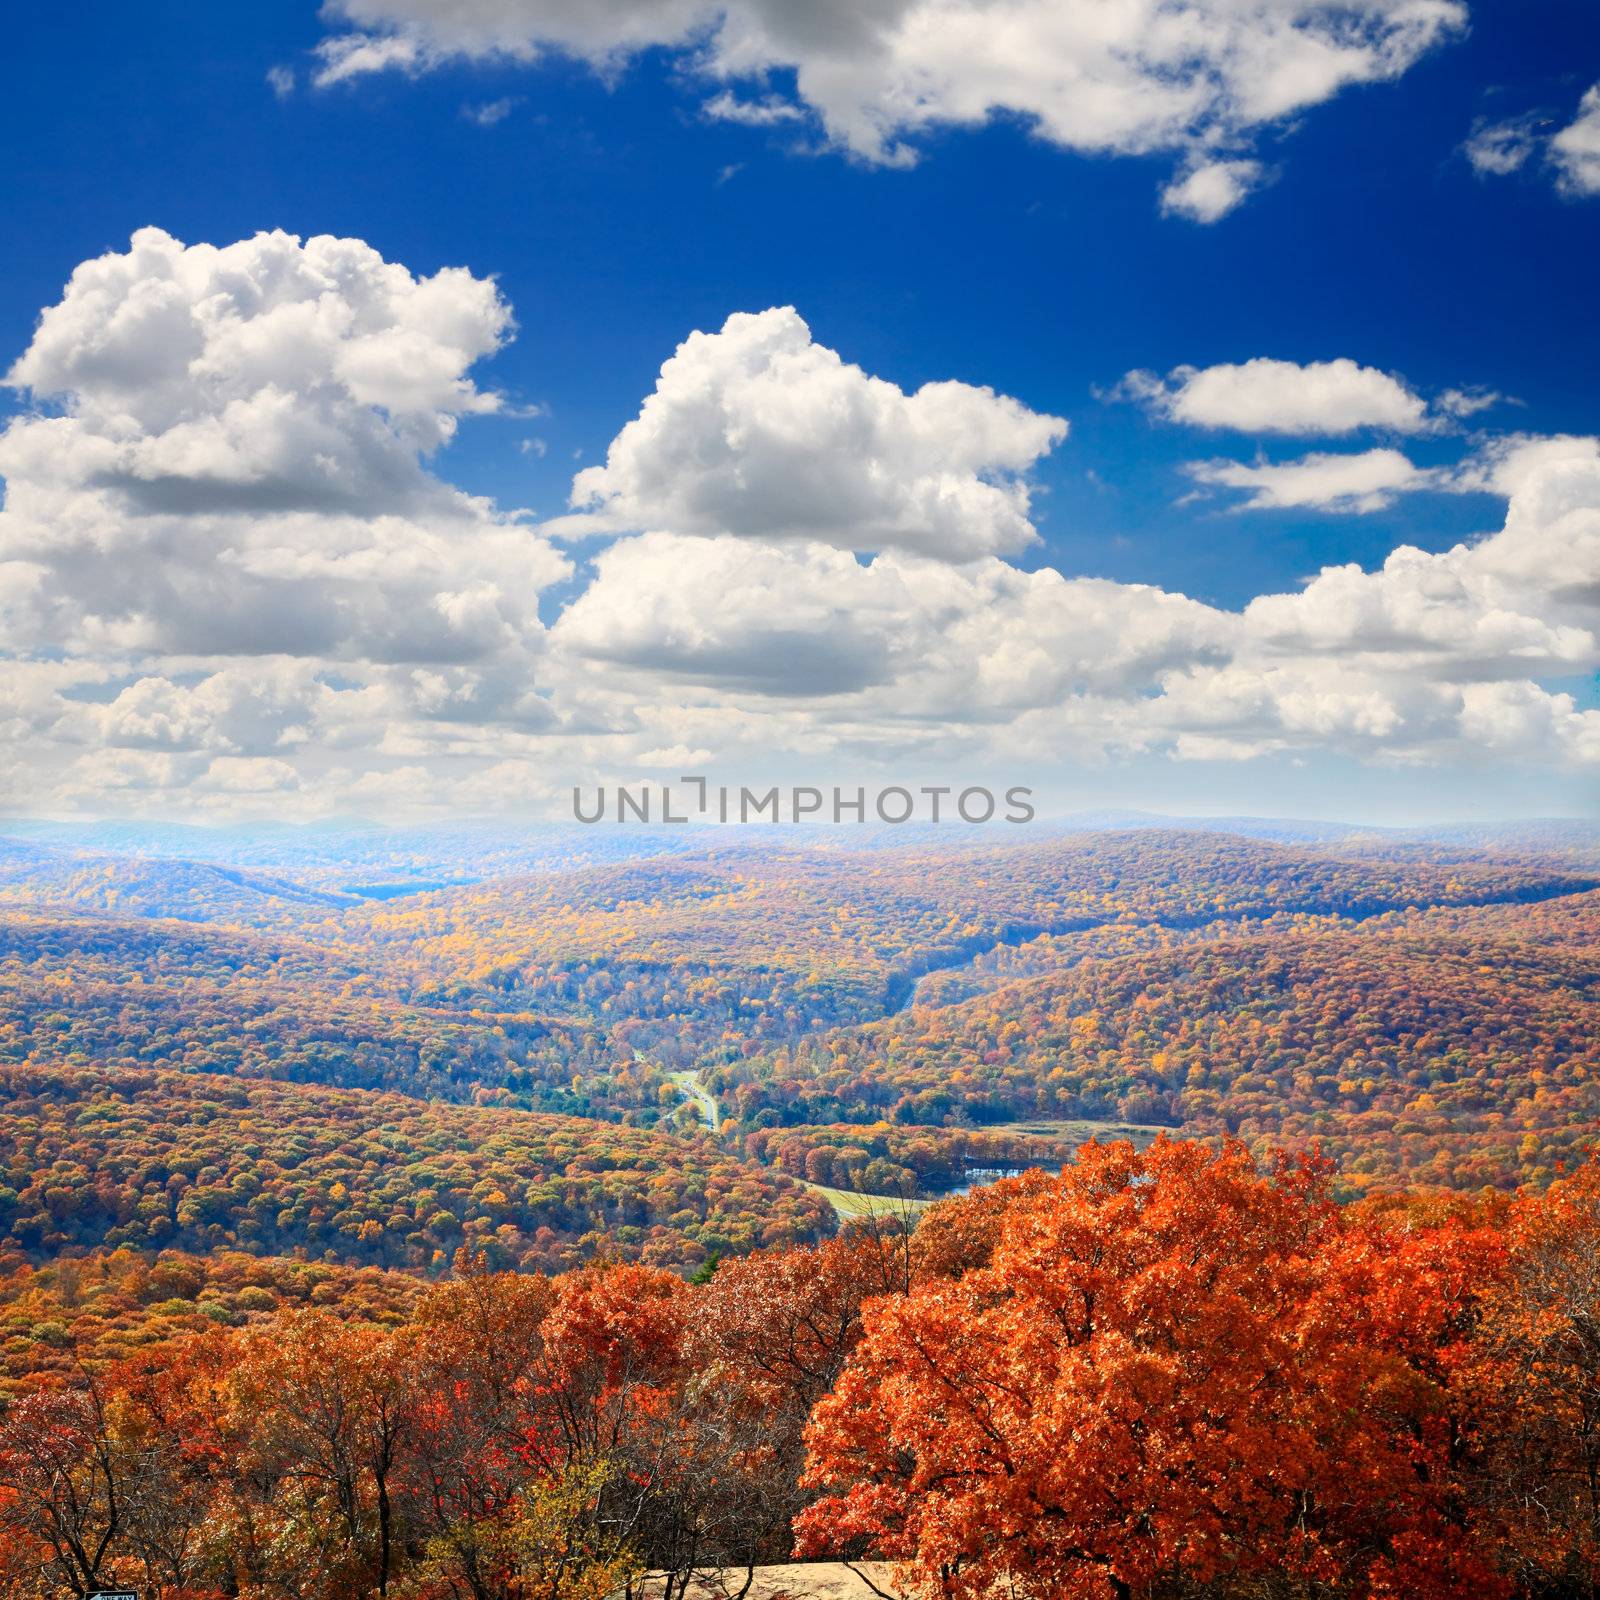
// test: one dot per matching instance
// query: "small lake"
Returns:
(977, 1177)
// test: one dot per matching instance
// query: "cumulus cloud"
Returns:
(1575, 150)
(1514, 462)
(228, 455)
(1245, 711)
(940, 642)
(1523, 720)
(1367, 481)
(800, 621)
(1549, 549)
(1430, 657)
(1208, 192)
(236, 711)
(728, 646)
(1450, 614)
(1267, 396)
(759, 432)
(235, 775)
(154, 338)
(1199, 78)
(233, 583)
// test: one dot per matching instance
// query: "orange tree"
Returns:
(1534, 1388)
(1174, 1371)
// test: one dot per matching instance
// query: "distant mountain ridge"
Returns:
(155, 887)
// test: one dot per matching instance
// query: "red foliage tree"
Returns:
(1174, 1371)
(1534, 1388)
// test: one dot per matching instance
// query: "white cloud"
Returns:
(1429, 657)
(768, 111)
(236, 461)
(1198, 78)
(355, 55)
(200, 614)
(1368, 481)
(267, 376)
(1267, 396)
(489, 112)
(1243, 712)
(1575, 150)
(759, 432)
(235, 775)
(748, 651)
(1513, 463)
(1523, 719)
(1571, 153)
(918, 637)
(119, 771)
(1449, 615)
(1498, 148)
(281, 81)
(1463, 403)
(676, 759)
(238, 710)
(804, 620)
(1548, 552)
(1208, 192)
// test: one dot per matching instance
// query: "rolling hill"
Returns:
(1459, 1058)
(94, 1156)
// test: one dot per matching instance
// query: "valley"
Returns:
(893, 1015)
(612, 1185)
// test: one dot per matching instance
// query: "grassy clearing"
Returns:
(1075, 1131)
(852, 1207)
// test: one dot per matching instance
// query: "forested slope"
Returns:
(680, 955)
(1458, 1058)
(93, 1156)
(107, 1305)
(141, 993)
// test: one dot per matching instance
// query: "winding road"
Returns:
(689, 1083)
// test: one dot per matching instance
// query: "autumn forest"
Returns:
(1141, 1213)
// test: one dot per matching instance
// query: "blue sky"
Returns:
(615, 217)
